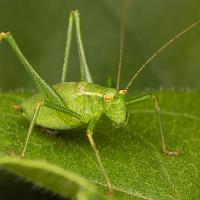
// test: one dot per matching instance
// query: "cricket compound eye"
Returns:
(108, 99)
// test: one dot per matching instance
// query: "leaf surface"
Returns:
(51, 178)
(132, 155)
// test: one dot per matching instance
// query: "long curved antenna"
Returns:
(122, 30)
(160, 50)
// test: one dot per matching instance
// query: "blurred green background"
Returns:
(40, 30)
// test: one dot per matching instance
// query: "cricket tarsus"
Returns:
(171, 153)
(17, 107)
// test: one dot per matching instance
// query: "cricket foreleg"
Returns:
(157, 107)
(92, 143)
(36, 112)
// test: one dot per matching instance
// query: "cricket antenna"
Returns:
(159, 51)
(122, 30)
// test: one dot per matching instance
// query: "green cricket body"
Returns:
(87, 99)
(68, 105)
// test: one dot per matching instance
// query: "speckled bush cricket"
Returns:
(71, 104)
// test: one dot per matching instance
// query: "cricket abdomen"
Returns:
(81, 97)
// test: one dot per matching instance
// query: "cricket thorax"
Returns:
(104, 100)
(85, 98)
(89, 89)
(93, 100)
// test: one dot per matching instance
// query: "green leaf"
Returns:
(132, 155)
(51, 177)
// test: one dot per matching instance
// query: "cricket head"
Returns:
(115, 107)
